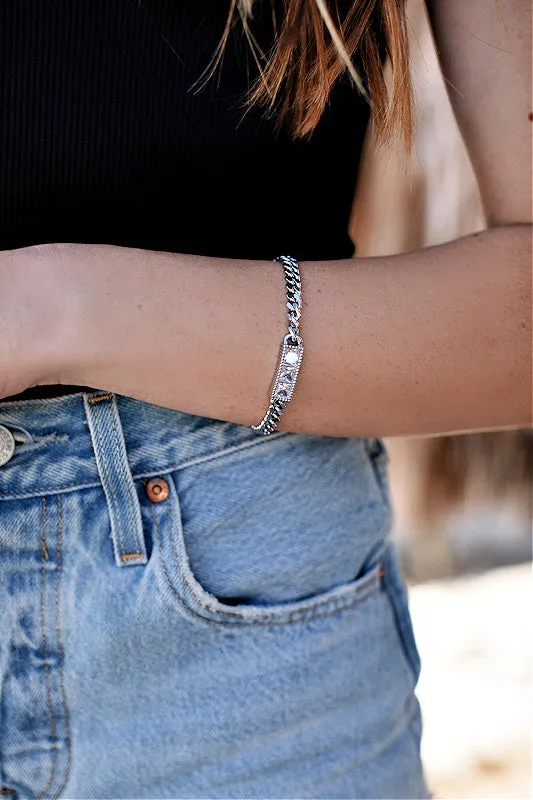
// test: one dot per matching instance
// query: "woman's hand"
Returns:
(38, 304)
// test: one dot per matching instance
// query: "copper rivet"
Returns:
(157, 490)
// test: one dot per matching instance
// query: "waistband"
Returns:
(55, 441)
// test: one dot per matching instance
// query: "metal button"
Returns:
(157, 490)
(7, 445)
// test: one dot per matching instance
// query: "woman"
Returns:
(192, 608)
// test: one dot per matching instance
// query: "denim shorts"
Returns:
(191, 610)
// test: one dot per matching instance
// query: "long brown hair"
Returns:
(314, 46)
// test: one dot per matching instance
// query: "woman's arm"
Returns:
(433, 341)
(436, 340)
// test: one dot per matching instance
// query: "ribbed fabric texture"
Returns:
(103, 139)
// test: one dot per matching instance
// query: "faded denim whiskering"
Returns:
(246, 637)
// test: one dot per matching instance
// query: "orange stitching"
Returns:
(131, 556)
(53, 731)
(44, 551)
(60, 646)
(99, 398)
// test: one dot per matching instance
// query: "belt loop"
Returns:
(115, 475)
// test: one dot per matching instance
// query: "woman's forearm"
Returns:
(432, 341)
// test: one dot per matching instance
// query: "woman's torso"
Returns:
(103, 137)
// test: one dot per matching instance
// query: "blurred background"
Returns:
(463, 504)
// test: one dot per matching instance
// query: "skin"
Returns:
(437, 340)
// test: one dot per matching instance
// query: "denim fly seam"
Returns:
(53, 659)
(115, 474)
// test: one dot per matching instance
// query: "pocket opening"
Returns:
(295, 533)
(184, 586)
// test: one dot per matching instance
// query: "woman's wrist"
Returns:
(117, 314)
(93, 296)
(65, 350)
(36, 318)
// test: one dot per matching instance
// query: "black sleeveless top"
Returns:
(104, 139)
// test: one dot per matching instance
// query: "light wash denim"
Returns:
(247, 637)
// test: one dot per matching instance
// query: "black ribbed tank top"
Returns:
(105, 139)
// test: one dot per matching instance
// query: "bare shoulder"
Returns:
(485, 52)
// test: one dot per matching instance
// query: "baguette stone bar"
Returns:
(291, 350)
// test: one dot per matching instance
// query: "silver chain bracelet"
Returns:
(291, 350)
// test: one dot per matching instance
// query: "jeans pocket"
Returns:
(273, 537)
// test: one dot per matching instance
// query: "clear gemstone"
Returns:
(291, 357)
(288, 376)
